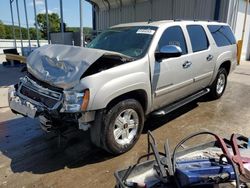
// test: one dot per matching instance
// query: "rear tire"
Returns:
(219, 85)
(118, 128)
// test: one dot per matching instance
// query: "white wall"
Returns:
(239, 28)
(9, 43)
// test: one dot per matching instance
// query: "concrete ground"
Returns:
(31, 158)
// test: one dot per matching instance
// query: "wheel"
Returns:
(119, 127)
(219, 85)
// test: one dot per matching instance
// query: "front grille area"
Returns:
(44, 84)
(47, 97)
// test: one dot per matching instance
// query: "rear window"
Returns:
(198, 38)
(222, 35)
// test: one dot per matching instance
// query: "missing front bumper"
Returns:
(49, 118)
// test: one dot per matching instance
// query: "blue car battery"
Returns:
(202, 172)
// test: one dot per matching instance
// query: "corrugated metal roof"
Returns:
(113, 12)
(106, 4)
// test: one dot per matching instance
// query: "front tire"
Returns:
(219, 85)
(121, 126)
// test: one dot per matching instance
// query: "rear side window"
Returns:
(173, 36)
(222, 35)
(198, 38)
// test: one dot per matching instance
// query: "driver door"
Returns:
(173, 77)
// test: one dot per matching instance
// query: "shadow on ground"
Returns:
(154, 122)
(10, 75)
(32, 150)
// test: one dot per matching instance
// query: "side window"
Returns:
(222, 35)
(173, 36)
(198, 38)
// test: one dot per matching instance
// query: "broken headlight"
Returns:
(72, 101)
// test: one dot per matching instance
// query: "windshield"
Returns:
(130, 41)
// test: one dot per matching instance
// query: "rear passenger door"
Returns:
(202, 58)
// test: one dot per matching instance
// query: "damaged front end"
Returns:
(52, 90)
(30, 99)
(54, 107)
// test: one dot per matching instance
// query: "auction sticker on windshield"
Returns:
(145, 31)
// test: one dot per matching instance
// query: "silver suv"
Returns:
(126, 73)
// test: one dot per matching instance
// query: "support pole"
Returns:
(121, 6)
(240, 42)
(37, 34)
(61, 14)
(245, 19)
(134, 7)
(19, 24)
(81, 28)
(27, 23)
(13, 26)
(151, 11)
(47, 20)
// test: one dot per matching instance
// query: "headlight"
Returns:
(75, 102)
(71, 97)
(11, 92)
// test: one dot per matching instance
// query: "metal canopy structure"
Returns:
(108, 4)
(112, 12)
(36, 24)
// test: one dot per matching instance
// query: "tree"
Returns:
(54, 23)
(33, 34)
(2, 30)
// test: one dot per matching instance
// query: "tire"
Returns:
(126, 120)
(219, 85)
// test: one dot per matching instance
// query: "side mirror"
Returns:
(168, 51)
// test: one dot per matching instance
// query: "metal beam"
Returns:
(81, 29)
(47, 21)
(108, 3)
(217, 10)
(172, 8)
(19, 24)
(95, 10)
(240, 42)
(37, 34)
(134, 6)
(151, 10)
(13, 26)
(61, 14)
(94, 19)
(121, 6)
(245, 19)
(27, 24)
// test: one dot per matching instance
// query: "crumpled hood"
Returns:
(63, 65)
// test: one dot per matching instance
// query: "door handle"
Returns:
(186, 64)
(210, 57)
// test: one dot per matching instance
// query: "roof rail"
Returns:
(150, 21)
(195, 20)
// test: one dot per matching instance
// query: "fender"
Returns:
(118, 87)
(109, 84)
(223, 57)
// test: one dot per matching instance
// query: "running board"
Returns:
(174, 106)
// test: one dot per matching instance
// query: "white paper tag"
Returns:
(145, 31)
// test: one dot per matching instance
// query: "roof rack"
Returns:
(150, 21)
(195, 20)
